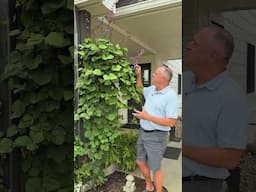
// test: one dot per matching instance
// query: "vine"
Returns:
(40, 77)
(106, 81)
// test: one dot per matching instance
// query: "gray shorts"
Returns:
(151, 147)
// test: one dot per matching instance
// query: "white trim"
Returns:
(147, 5)
(97, 6)
(110, 4)
(136, 8)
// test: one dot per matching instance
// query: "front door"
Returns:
(146, 75)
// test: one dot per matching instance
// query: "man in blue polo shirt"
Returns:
(158, 115)
(214, 113)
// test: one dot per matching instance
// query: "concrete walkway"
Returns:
(173, 171)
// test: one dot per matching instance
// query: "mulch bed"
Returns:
(117, 180)
(248, 173)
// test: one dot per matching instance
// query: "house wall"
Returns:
(176, 66)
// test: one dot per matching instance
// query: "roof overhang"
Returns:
(96, 7)
(155, 26)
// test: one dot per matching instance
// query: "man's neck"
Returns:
(202, 78)
(160, 87)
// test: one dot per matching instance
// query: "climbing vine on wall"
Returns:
(105, 83)
(40, 77)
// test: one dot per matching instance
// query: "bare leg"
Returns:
(144, 169)
(158, 179)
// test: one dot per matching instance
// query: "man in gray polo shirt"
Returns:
(156, 118)
(215, 113)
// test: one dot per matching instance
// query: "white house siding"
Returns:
(176, 66)
(241, 24)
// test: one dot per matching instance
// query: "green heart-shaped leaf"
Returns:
(36, 136)
(26, 121)
(11, 131)
(41, 76)
(97, 72)
(5, 145)
(107, 56)
(18, 108)
(55, 39)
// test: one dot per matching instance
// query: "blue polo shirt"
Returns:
(215, 114)
(163, 104)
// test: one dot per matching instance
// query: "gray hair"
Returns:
(167, 71)
(225, 40)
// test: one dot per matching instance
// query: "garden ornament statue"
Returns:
(130, 184)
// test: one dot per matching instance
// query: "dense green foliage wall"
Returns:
(105, 83)
(40, 77)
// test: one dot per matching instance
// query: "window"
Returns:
(215, 23)
(82, 24)
(122, 3)
(146, 74)
(179, 84)
(250, 68)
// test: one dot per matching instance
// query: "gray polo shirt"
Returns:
(163, 104)
(215, 114)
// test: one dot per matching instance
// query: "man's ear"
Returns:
(214, 55)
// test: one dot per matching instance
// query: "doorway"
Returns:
(133, 123)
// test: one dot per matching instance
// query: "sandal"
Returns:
(145, 190)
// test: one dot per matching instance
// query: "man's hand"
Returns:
(141, 114)
(169, 122)
(137, 69)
